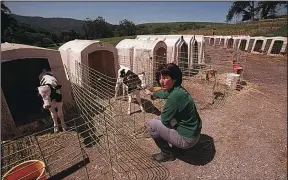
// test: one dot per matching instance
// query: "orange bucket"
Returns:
(28, 170)
(155, 89)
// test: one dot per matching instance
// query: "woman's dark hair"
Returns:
(171, 70)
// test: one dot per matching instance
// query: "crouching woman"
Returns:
(179, 124)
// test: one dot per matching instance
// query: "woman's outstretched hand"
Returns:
(147, 92)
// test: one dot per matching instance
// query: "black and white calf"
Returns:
(49, 90)
(132, 84)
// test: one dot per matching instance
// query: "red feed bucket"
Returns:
(236, 67)
(28, 170)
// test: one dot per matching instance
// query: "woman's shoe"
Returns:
(163, 157)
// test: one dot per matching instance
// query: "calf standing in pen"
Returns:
(132, 84)
(49, 90)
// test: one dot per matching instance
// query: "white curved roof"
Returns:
(199, 38)
(188, 38)
(126, 43)
(137, 43)
(146, 44)
(171, 41)
(77, 45)
(11, 46)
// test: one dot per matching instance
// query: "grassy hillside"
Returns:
(51, 24)
(276, 27)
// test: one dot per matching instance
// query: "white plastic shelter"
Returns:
(21, 66)
(192, 50)
(222, 41)
(267, 44)
(240, 42)
(249, 44)
(186, 45)
(173, 42)
(81, 57)
(278, 46)
(258, 44)
(217, 40)
(207, 39)
(125, 50)
(199, 39)
(243, 43)
(144, 56)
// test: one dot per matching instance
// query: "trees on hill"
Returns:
(244, 8)
(6, 19)
(99, 28)
(250, 9)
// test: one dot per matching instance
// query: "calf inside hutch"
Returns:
(20, 79)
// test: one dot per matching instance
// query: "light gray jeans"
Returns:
(163, 135)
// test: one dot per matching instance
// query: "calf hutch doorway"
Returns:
(195, 54)
(102, 61)
(20, 79)
(183, 57)
(161, 57)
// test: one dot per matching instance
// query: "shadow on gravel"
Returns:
(201, 154)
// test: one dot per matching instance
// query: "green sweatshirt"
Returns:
(180, 105)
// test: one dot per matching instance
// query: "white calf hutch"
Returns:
(200, 43)
(125, 50)
(186, 47)
(278, 46)
(243, 43)
(174, 48)
(227, 40)
(267, 44)
(21, 105)
(249, 45)
(258, 44)
(217, 40)
(172, 42)
(146, 55)
(85, 57)
(192, 49)
(212, 40)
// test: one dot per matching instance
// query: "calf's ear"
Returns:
(58, 86)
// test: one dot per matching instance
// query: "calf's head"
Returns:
(46, 91)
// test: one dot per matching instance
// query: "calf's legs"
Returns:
(137, 93)
(54, 117)
(61, 116)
